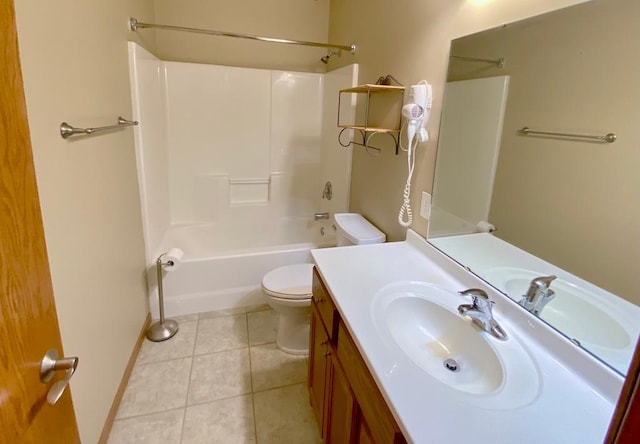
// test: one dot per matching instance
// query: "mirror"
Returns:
(563, 205)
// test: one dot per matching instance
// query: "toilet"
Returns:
(288, 289)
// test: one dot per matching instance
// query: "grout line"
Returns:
(212, 314)
(253, 401)
(249, 351)
(220, 351)
(147, 414)
(186, 400)
(255, 419)
(280, 386)
(262, 344)
(163, 360)
(211, 401)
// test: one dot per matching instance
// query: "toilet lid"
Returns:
(290, 281)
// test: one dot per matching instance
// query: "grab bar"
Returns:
(609, 138)
(67, 130)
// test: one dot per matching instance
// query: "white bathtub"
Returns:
(220, 271)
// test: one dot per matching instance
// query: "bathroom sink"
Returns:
(577, 312)
(420, 325)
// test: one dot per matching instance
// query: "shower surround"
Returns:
(231, 166)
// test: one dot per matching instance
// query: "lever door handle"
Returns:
(49, 365)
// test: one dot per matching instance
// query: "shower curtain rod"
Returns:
(134, 24)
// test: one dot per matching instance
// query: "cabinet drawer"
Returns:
(378, 417)
(325, 306)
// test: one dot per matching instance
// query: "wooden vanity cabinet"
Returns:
(347, 403)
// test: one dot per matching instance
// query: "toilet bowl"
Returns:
(288, 289)
(288, 292)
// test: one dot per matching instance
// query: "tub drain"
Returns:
(451, 365)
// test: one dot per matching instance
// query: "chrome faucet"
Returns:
(480, 311)
(319, 216)
(538, 295)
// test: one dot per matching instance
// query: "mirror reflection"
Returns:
(551, 220)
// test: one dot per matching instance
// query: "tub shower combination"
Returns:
(231, 167)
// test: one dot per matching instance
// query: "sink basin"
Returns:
(575, 311)
(430, 335)
(420, 325)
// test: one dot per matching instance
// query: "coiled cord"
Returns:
(405, 209)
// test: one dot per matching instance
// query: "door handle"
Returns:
(49, 365)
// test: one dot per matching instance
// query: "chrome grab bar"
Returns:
(67, 130)
(609, 138)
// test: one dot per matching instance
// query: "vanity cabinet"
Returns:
(347, 403)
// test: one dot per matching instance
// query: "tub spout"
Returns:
(319, 216)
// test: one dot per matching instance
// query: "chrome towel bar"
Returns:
(67, 130)
(609, 138)
(498, 62)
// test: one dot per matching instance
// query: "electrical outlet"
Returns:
(425, 205)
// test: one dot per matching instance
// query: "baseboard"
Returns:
(104, 436)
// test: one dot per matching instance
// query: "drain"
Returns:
(451, 365)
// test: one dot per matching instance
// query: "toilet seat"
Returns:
(291, 282)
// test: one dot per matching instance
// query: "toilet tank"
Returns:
(353, 229)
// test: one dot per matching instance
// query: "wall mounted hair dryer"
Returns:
(417, 114)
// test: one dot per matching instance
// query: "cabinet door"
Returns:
(318, 346)
(374, 410)
(342, 409)
(364, 435)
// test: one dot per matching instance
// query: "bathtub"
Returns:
(220, 271)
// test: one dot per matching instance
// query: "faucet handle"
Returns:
(543, 282)
(474, 292)
(480, 299)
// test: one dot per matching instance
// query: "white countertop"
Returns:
(571, 406)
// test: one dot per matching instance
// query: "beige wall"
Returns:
(410, 40)
(74, 61)
(573, 203)
(288, 19)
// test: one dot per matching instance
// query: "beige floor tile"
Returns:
(283, 415)
(258, 307)
(224, 333)
(184, 318)
(225, 421)
(163, 427)
(262, 327)
(179, 346)
(221, 313)
(272, 368)
(219, 375)
(156, 387)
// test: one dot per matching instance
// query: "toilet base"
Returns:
(288, 291)
(294, 317)
(293, 332)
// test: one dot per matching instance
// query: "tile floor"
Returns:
(221, 379)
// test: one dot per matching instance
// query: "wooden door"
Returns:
(28, 322)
